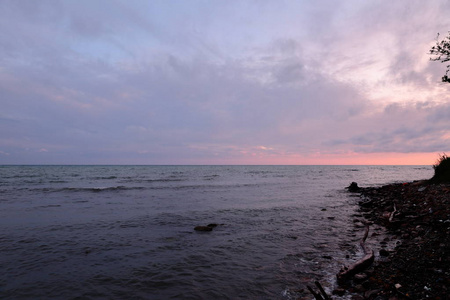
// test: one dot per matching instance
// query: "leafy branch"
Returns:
(441, 52)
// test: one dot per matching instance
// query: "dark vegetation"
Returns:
(441, 52)
(442, 169)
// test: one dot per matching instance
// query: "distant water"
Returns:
(126, 232)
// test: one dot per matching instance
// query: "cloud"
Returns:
(402, 129)
(109, 82)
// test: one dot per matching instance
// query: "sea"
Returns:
(127, 232)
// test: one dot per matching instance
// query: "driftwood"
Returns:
(392, 214)
(361, 264)
(321, 295)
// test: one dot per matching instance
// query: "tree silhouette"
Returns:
(441, 52)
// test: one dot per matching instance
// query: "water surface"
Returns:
(126, 232)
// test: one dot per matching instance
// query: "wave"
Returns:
(259, 172)
(22, 176)
(120, 188)
(210, 177)
(134, 180)
(215, 186)
(87, 189)
(50, 205)
(103, 177)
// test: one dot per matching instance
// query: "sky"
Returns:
(222, 82)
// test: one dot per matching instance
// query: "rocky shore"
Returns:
(417, 214)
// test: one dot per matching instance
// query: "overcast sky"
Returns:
(222, 82)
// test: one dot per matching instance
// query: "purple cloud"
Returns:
(138, 82)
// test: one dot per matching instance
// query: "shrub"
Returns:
(442, 169)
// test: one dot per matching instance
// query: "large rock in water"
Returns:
(353, 187)
(203, 228)
(208, 227)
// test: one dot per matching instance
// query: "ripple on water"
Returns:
(280, 228)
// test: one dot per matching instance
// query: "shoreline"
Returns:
(417, 215)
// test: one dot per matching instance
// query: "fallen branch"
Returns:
(319, 286)
(361, 264)
(391, 216)
(318, 296)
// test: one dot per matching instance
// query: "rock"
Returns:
(380, 297)
(371, 294)
(339, 292)
(353, 187)
(360, 277)
(358, 289)
(366, 284)
(203, 228)
(208, 227)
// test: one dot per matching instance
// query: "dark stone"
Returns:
(380, 297)
(360, 277)
(357, 289)
(371, 294)
(353, 187)
(339, 292)
(366, 284)
(384, 252)
(203, 228)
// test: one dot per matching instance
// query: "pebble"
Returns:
(339, 292)
(360, 277)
